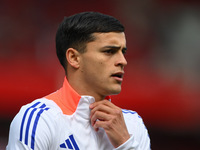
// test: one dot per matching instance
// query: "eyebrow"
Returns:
(115, 47)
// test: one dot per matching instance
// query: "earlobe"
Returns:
(72, 56)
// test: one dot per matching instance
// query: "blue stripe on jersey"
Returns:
(69, 145)
(41, 108)
(28, 125)
(43, 105)
(35, 126)
(63, 145)
(73, 142)
(128, 111)
(22, 125)
(131, 112)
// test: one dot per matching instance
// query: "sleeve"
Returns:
(30, 130)
(130, 144)
(144, 137)
(139, 137)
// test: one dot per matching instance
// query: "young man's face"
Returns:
(102, 65)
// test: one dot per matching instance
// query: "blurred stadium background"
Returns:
(162, 80)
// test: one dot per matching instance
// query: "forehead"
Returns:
(114, 38)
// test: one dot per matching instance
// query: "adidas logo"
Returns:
(70, 143)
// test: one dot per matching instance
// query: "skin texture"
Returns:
(110, 118)
(100, 71)
(94, 68)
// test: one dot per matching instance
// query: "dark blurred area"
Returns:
(162, 79)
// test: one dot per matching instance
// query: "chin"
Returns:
(115, 91)
(112, 90)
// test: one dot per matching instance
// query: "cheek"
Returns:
(95, 66)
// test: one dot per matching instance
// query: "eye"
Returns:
(109, 51)
(124, 51)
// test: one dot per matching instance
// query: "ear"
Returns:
(72, 56)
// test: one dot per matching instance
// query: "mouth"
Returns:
(118, 76)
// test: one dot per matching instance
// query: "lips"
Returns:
(118, 76)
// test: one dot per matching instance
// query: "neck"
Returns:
(83, 90)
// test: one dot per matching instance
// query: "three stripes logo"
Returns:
(29, 123)
(70, 143)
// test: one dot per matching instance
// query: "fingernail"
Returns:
(91, 105)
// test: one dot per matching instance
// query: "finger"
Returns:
(104, 105)
(104, 102)
(101, 116)
(102, 124)
(116, 134)
(106, 109)
(102, 108)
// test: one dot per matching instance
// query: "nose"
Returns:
(121, 60)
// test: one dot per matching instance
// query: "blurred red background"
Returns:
(162, 79)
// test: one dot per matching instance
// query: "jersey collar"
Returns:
(67, 98)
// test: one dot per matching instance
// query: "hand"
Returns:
(106, 115)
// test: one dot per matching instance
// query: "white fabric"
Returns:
(57, 131)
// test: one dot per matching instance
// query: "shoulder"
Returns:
(38, 114)
(40, 109)
(133, 120)
(36, 121)
(131, 115)
(137, 128)
(40, 106)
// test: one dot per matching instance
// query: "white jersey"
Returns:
(61, 121)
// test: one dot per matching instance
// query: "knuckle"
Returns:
(109, 125)
(105, 101)
(96, 113)
(118, 112)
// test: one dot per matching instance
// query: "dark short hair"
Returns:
(76, 31)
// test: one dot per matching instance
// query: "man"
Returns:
(80, 115)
